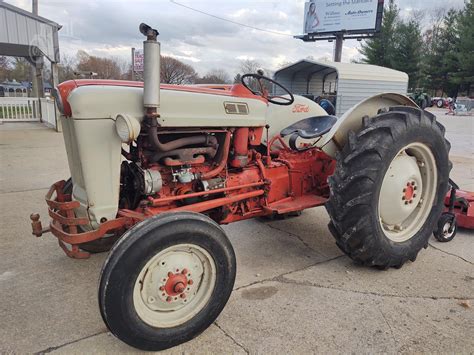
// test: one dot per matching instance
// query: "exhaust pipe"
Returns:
(151, 71)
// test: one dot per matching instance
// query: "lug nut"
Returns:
(414, 195)
(404, 190)
(411, 201)
(184, 272)
(403, 197)
(190, 282)
(183, 295)
(170, 274)
(168, 299)
(406, 202)
(162, 288)
(412, 183)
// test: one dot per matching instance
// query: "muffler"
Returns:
(151, 70)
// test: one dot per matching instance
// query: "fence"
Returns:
(48, 112)
(27, 109)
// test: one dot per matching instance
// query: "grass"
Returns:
(13, 112)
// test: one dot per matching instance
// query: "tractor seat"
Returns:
(311, 127)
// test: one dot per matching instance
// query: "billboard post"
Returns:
(133, 64)
(338, 47)
(341, 19)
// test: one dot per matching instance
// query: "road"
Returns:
(295, 292)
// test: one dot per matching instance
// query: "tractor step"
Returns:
(293, 204)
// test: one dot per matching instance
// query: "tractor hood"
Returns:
(181, 106)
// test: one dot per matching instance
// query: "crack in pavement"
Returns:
(281, 279)
(274, 278)
(292, 234)
(232, 338)
(448, 253)
(389, 327)
(52, 348)
(284, 280)
(18, 191)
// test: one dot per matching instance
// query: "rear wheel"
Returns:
(440, 103)
(166, 280)
(388, 188)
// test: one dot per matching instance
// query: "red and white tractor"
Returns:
(155, 169)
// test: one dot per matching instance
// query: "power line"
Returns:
(231, 21)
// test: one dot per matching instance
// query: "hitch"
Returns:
(36, 225)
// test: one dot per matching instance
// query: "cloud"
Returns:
(110, 28)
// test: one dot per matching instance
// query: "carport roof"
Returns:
(347, 71)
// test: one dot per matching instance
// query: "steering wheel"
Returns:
(259, 84)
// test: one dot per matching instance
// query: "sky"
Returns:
(110, 28)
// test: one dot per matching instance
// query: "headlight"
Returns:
(128, 128)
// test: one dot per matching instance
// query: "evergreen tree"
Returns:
(465, 46)
(406, 55)
(440, 61)
(379, 50)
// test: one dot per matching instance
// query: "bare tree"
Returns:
(5, 68)
(249, 66)
(174, 71)
(66, 68)
(106, 68)
(21, 70)
(216, 76)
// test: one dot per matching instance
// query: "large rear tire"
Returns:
(388, 189)
(166, 280)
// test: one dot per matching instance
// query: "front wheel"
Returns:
(389, 186)
(447, 228)
(166, 280)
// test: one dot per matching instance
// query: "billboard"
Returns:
(138, 60)
(349, 16)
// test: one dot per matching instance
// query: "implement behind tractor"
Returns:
(156, 168)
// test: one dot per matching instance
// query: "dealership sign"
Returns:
(138, 60)
(350, 16)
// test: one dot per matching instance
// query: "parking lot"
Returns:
(295, 292)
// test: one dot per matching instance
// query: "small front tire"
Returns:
(166, 280)
(447, 228)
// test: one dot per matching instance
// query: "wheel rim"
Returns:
(446, 233)
(407, 193)
(174, 285)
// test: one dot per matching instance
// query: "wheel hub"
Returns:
(176, 284)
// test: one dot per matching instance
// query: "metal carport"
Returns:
(346, 83)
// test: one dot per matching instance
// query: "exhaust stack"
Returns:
(151, 70)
